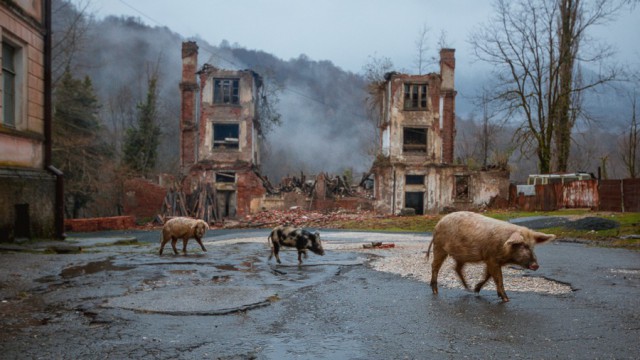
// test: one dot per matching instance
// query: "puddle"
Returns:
(182, 272)
(227, 267)
(220, 279)
(247, 266)
(92, 268)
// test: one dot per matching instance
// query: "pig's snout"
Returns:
(533, 266)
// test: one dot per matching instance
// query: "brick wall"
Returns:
(100, 224)
(143, 199)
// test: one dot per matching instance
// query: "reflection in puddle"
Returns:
(92, 268)
(220, 279)
(247, 266)
(227, 267)
(182, 272)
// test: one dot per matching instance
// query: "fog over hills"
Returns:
(324, 122)
(324, 126)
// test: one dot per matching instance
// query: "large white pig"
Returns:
(470, 237)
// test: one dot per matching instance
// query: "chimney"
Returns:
(448, 95)
(189, 90)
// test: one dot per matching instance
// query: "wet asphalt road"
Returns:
(120, 302)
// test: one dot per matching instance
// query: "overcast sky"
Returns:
(346, 32)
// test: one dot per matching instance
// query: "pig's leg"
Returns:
(275, 251)
(459, 267)
(184, 245)
(164, 242)
(200, 242)
(273, 245)
(496, 273)
(174, 240)
(438, 258)
(301, 252)
(479, 285)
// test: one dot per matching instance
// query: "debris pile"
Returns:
(200, 204)
(334, 185)
(301, 218)
(338, 186)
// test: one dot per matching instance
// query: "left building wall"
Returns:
(27, 189)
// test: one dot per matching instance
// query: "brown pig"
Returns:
(470, 237)
(183, 228)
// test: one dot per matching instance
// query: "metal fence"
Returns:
(607, 195)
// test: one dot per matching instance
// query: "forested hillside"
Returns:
(324, 126)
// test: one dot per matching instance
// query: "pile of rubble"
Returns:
(335, 185)
(298, 217)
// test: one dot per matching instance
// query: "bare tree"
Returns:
(70, 25)
(422, 48)
(374, 73)
(630, 142)
(537, 49)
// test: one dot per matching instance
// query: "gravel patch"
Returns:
(418, 267)
(408, 259)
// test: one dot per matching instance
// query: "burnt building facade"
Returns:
(415, 166)
(219, 125)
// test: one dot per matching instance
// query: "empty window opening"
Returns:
(225, 177)
(414, 140)
(414, 200)
(226, 91)
(8, 85)
(226, 203)
(415, 96)
(462, 187)
(414, 180)
(226, 136)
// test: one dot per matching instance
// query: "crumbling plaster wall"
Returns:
(438, 187)
(242, 114)
(398, 118)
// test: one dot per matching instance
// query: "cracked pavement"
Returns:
(118, 301)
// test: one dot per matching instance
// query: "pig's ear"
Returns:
(542, 238)
(206, 226)
(515, 238)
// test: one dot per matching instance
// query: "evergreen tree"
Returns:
(79, 148)
(141, 142)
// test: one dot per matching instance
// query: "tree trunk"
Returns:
(567, 51)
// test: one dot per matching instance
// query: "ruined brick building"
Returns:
(220, 133)
(415, 167)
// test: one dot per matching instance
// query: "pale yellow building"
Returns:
(30, 188)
